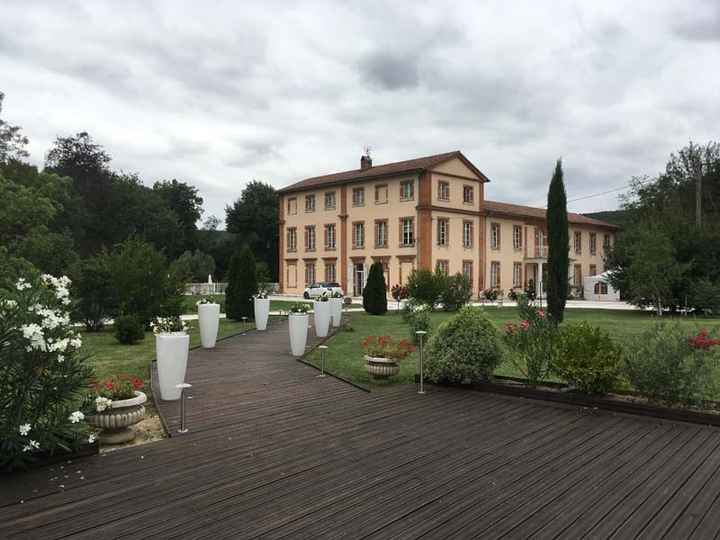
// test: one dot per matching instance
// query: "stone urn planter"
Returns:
(117, 419)
(322, 317)
(298, 328)
(172, 354)
(381, 368)
(262, 311)
(336, 305)
(209, 318)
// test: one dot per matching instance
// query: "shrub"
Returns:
(492, 294)
(418, 318)
(242, 285)
(664, 365)
(425, 287)
(465, 347)
(194, 266)
(129, 329)
(42, 373)
(399, 293)
(532, 342)
(143, 282)
(588, 358)
(457, 292)
(93, 285)
(374, 293)
(386, 347)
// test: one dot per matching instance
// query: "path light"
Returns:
(322, 360)
(183, 387)
(244, 320)
(421, 334)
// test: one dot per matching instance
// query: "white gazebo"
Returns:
(598, 288)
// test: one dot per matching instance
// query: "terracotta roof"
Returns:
(388, 169)
(506, 209)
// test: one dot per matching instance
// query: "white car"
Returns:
(316, 289)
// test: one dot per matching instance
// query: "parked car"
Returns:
(316, 289)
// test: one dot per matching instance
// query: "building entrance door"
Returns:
(359, 279)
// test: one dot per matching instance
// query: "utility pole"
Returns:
(698, 197)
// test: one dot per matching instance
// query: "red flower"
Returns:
(702, 341)
(541, 313)
(525, 324)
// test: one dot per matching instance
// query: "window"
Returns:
(407, 231)
(330, 236)
(577, 275)
(309, 273)
(443, 266)
(593, 270)
(292, 239)
(468, 194)
(292, 206)
(467, 269)
(358, 234)
(517, 237)
(381, 194)
(517, 274)
(309, 203)
(593, 244)
(606, 242)
(443, 232)
(291, 276)
(444, 191)
(495, 236)
(578, 242)
(541, 249)
(310, 238)
(381, 233)
(330, 272)
(467, 234)
(601, 288)
(407, 188)
(330, 200)
(495, 275)
(358, 196)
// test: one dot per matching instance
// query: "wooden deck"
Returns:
(276, 452)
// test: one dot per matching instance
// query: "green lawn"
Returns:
(110, 357)
(344, 357)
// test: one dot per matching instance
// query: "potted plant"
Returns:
(118, 405)
(261, 303)
(322, 312)
(383, 354)
(172, 343)
(209, 319)
(298, 327)
(336, 305)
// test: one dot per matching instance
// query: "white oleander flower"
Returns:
(60, 358)
(91, 438)
(25, 429)
(22, 284)
(33, 445)
(76, 417)
(33, 333)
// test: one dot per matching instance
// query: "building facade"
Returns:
(423, 213)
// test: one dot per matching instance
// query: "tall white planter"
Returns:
(336, 305)
(209, 316)
(172, 354)
(298, 325)
(322, 318)
(262, 310)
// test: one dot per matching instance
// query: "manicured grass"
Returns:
(109, 357)
(344, 357)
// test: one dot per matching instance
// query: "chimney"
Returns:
(365, 160)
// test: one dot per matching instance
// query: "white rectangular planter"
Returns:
(322, 318)
(262, 311)
(298, 328)
(336, 311)
(172, 354)
(209, 317)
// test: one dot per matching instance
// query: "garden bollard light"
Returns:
(322, 359)
(244, 320)
(182, 387)
(421, 334)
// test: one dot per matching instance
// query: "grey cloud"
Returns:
(391, 71)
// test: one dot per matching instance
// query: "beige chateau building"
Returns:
(427, 212)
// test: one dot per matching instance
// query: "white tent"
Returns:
(598, 288)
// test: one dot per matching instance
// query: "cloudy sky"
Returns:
(220, 93)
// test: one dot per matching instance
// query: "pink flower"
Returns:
(525, 325)
(541, 313)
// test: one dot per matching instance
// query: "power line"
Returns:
(621, 188)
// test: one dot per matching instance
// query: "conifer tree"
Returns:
(558, 249)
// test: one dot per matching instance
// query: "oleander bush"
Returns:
(465, 348)
(667, 365)
(588, 358)
(457, 292)
(43, 375)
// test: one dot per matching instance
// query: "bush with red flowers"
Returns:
(702, 341)
(386, 347)
(118, 387)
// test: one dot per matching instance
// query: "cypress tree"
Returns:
(374, 294)
(242, 285)
(559, 246)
